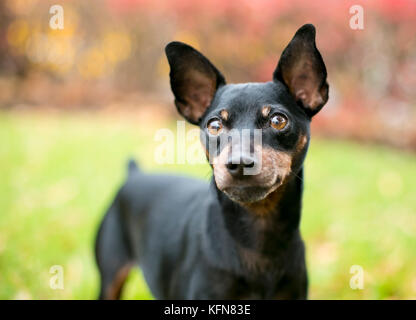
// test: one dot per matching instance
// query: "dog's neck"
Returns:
(238, 230)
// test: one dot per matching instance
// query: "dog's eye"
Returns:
(214, 126)
(278, 121)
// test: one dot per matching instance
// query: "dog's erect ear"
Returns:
(303, 71)
(193, 79)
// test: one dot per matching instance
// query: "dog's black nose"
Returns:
(236, 166)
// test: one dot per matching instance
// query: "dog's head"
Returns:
(255, 134)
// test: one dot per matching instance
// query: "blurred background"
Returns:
(76, 102)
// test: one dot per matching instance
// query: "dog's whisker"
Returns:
(298, 176)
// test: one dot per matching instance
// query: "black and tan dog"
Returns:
(237, 237)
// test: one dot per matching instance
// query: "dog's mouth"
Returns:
(245, 194)
(275, 168)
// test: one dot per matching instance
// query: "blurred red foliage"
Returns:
(114, 49)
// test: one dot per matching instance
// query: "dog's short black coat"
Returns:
(237, 237)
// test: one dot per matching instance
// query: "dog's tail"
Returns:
(132, 166)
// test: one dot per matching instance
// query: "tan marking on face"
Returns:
(303, 140)
(299, 149)
(279, 162)
(224, 115)
(265, 111)
(220, 171)
(275, 169)
(285, 160)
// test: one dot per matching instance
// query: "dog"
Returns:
(238, 236)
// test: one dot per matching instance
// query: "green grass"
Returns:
(59, 173)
